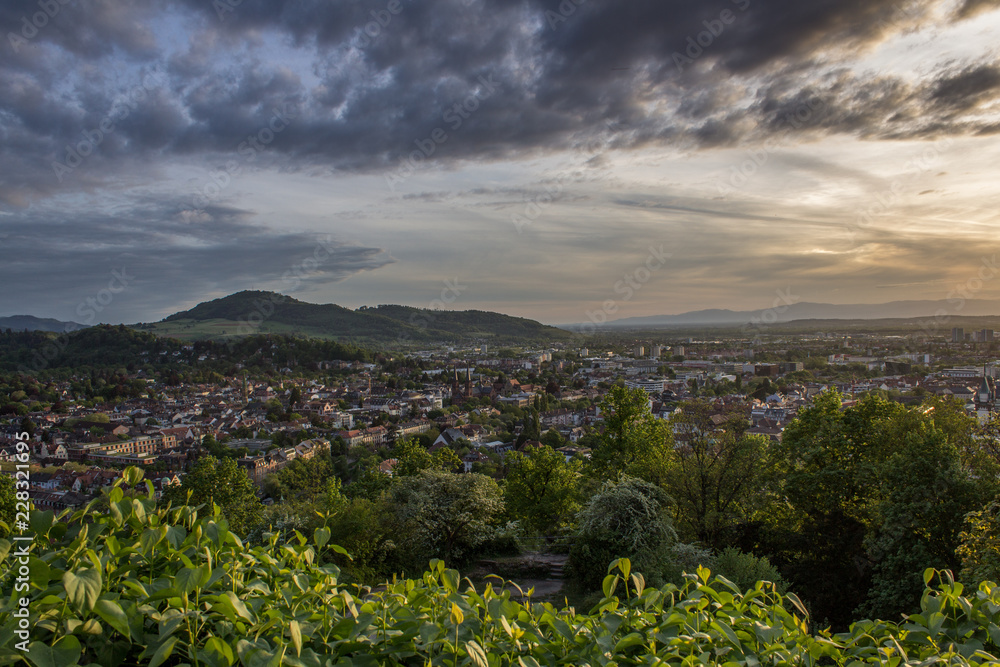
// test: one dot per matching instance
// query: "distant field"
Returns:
(221, 329)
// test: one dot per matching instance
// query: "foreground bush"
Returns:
(144, 586)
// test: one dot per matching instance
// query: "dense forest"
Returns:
(117, 346)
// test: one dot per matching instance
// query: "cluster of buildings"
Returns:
(459, 397)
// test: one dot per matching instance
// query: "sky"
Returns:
(567, 161)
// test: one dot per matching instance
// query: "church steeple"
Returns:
(985, 394)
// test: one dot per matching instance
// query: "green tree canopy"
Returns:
(224, 483)
(715, 473)
(305, 479)
(634, 441)
(542, 489)
(980, 545)
(8, 500)
(444, 514)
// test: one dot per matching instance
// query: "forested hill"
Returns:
(118, 346)
(267, 312)
(32, 323)
(472, 323)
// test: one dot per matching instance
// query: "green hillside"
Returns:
(249, 312)
(474, 323)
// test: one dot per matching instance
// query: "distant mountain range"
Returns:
(32, 323)
(267, 312)
(818, 311)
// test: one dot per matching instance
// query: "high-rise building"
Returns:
(958, 335)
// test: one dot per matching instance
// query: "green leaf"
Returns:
(191, 579)
(477, 654)
(456, 614)
(163, 652)
(238, 606)
(41, 573)
(928, 575)
(150, 538)
(321, 536)
(609, 585)
(133, 475)
(66, 651)
(41, 522)
(724, 628)
(83, 588)
(798, 604)
(296, 632)
(450, 579)
(116, 512)
(113, 615)
(219, 651)
(176, 535)
(629, 640)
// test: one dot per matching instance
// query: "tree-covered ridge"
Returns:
(479, 323)
(248, 310)
(141, 585)
(118, 346)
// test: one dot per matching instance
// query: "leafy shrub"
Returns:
(980, 545)
(628, 518)
(745, 569)
(444, 514)
(686, 558)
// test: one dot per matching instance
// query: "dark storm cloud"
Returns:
(535, 76)
(968, 88)
(173, 254)
(972, 7)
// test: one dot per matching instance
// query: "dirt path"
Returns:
(541, 572)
